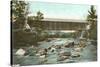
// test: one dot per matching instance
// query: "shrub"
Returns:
(22, 38)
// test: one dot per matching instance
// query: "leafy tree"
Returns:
(19, 11)
(39, 16)
(38, 19)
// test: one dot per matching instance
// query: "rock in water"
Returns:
(43, 56)
(62, 58)
(53, 49)
(78, 49)
(20, 52)
(63, 53)
(75, 54)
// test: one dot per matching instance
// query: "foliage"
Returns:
(92, 16)
(19, 12)
(22, 38)
(35, 21)
(39, 16)
(19, 17)
(92, 19)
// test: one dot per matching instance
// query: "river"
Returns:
(88, 53)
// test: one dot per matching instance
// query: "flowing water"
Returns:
(89, 53)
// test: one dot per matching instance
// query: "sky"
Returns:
(59, 10)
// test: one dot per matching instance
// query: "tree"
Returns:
(38, 19)
(19, 11)
(92, 19)
(92, 16)
(39, 16)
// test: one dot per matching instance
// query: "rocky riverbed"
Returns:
(54, 51)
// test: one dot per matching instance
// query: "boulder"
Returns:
(75, 54)
(66, 45)
(63, 53)
(42, 52)
(53, 49)
(63, 56)
(58, 46)
(78, 49)
(82, 44)
(71, 44)
(42, 56)
(20, 52)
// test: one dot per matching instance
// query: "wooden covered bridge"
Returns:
(64, 24)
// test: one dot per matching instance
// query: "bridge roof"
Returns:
(64, 20)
